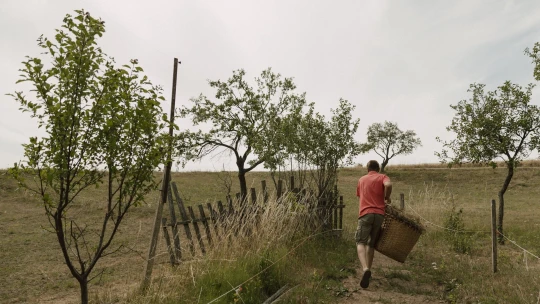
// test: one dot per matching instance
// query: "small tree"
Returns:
(244, 121)
(317, 147)
(387, 140)
(101, 126)
(501, 124)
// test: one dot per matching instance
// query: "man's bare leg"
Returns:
(363, 255)
(369, 255)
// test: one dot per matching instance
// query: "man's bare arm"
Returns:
(387, 192)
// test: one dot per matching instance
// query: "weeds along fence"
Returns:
(439, 206)
(192, 230)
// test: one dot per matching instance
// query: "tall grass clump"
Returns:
(439, 210)
(455, 252)
(460, 239)
(430, 202)
(261, 248)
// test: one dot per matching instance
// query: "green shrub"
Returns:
(460, 240)
(270, 276)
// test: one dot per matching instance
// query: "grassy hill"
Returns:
(448, 266)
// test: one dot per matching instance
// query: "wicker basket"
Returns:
(398, 235)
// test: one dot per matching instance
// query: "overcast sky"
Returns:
(402, 61)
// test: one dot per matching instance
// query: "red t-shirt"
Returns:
(370, 191)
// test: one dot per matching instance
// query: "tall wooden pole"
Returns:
(164, 189)
(494, 235)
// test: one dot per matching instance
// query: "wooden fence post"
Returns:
(341, 212)
(402, 201)
(253, 196)
(164, 188)
(335, 207)
(279, 189)
(239, 199)
(264, 191)
(291, 185)
(494, 235)
(230, 203)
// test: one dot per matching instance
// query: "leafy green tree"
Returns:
(535, 56)
(319, 147)
(244, 120)
(500, 124)
(102, 127)
(387, 140)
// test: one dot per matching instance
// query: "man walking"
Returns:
(373, 191)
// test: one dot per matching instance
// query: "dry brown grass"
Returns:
(31, 256)
(249, 237)
(468, 277)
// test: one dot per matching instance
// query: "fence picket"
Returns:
(205, 224)
(168, 241)
(224, 216)
(194, 220)
(185, 219)
(215, 218)
(176, 237)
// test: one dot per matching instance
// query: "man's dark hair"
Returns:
(373, 165)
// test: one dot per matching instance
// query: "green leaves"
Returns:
(495, 124)
(266, 124)
(387, 140)
(103, 125)
(534, 54)
(246, 120)
(316, 146)
(243, 119)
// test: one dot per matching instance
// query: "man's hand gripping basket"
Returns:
(399, 234)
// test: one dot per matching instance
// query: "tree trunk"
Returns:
(83, 283)
(243, 185)
(242, 180)
(383, 165)
(510, 166)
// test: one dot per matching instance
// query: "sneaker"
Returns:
(364, 283)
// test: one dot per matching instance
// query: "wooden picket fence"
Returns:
(211, 222)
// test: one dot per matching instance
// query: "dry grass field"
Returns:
(442, 267)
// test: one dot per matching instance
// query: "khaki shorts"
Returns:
(369, 226)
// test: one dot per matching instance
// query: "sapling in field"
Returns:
(102, 128)
(501, 124)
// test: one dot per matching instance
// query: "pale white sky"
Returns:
(403, 61)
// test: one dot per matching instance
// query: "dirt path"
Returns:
(390, 283)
